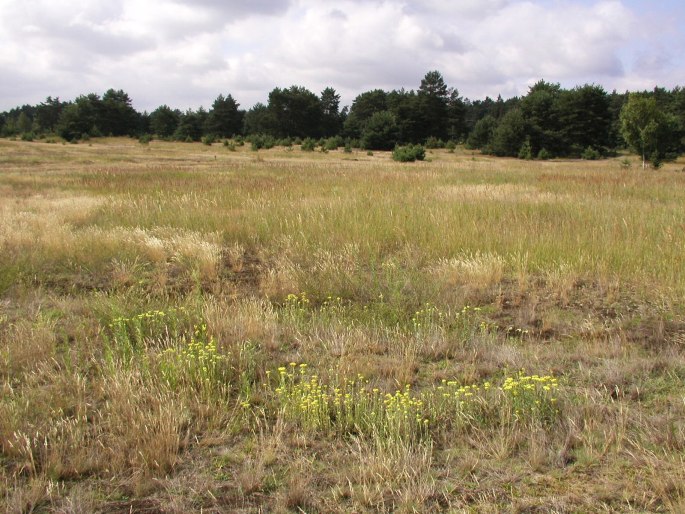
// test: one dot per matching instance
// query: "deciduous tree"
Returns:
(644, 127)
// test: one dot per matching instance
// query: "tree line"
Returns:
(549, 121)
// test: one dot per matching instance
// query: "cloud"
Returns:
(237, 9)
(184, 53)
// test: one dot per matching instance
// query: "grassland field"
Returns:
(187, 328)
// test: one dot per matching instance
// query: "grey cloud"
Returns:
(236, 9)
(653, 60)
(458, 10)
(338, 14)
(451, 42)
(184, 52)
(92, 41)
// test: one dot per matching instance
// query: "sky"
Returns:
(184, 53)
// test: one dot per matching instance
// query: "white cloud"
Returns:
(184, 53)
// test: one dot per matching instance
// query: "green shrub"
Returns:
(208, 140)
(259, 141)
(543, 155)
(230, 145)
(308, 145)
(433, 142)
(656, 160)
(269, 142)
(526, 152)
(409, 153)
(28, 136)
(381, 131)
(145, 139)
(590, 154)
(333, 143)
(451, 146)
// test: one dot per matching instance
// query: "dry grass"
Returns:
(117, 259)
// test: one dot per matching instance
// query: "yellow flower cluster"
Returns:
(196, 363)
(427, 317)
(404, 412)
(353, 406)
(146, 316)
(463, 323)
(532, 396)
(535, 383)
(296, 308)
(333, 304)
(523, 398)
(347, 406)
(300, 301)
(134, 330)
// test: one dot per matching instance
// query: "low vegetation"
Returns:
(209, 328)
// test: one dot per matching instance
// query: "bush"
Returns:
(308, 145)
(230, 145)
(145, 139)
(590, 154)
(208, 140)
(451, 146)
(409, 153)
(381, 132)
(260, 141)
(433, 142)
(526, 151)
(656, 160)
(625, 163)
(543, 155)
(333, 143)
(28, 136)
(269, 142)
